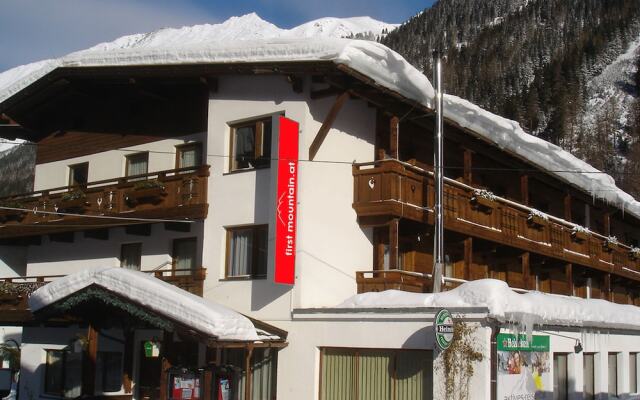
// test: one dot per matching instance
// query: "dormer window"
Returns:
(251, 145)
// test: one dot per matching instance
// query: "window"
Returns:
(137, 164)
(263, 372)
(63, 373)
(247, 251)
(588, 362)
(613, 374)
(633, 372)
(184, 255)
(251, 145)
(131, 256)
(78, 174)
(109, 371)
(560, 377)
(375, 374)
(189, 155)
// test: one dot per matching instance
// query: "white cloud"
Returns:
(31, 30)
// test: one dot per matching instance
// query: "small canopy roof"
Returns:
(162, 299)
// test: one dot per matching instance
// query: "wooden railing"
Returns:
(378, 281)
(191, 280)
(393, 189)
(170, 194)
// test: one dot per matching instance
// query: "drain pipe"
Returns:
(438, 245)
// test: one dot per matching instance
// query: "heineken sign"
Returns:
(444, 329)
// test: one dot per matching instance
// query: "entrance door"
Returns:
(149, 376)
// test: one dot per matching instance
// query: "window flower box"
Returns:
(537, 219)
(610, 244)
(11, 215)
(73, 201)
(579, 234)
(151, 191)
(483, 200)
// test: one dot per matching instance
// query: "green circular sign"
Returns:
(444, 329)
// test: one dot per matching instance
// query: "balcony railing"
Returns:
(14, 291)
(167, 195)
(392, 189)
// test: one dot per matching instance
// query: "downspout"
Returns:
(438, 239)
(493, 359)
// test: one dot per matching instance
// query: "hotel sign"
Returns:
(286, 202)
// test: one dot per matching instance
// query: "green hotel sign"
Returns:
(511, 342)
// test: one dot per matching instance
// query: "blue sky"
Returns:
(32, 30)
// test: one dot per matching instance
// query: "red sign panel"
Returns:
(286, 202)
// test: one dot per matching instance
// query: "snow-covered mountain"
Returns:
(251, 26)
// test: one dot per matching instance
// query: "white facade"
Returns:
(331, 246)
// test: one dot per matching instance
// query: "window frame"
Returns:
(128, 159)
(63, 373)
(259, 150)
(174, 259)
(101, 378)
(71, 168)
(122, 246)
(180, 148)
(255, 252)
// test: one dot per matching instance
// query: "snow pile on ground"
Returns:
(507, 306)
(160, 297)
(197, 45)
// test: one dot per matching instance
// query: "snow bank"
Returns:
(195, 45)
(507, 306)
(160, 297)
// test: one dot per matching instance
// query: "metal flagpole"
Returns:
(438, 245)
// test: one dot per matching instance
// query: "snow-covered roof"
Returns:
(381, 64)
(160, 297)
(507, 306)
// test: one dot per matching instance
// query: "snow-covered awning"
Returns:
(208, 319)
(379, 65)
(507, 306)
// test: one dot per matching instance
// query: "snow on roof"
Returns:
(162, 298)
(383, 65)
(507, 306)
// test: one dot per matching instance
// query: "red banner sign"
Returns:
(286, 202)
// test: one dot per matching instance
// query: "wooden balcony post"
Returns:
(526, 270)
(606, 289)
(468, 257)
(394, 233)
(567, 207)
(524, 189)
(127, 368)
(468, 165)
(607, 223)
(568, 271)
(394, 137)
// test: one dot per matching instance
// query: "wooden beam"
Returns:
(524, 189)
(90, 362)
(327, 124)
(326, 92)
(248, 372)
(606, 288)
(394, 139)
(394, 233)
(127, 359)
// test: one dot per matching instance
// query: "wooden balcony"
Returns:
(167, 195)
(15, 291)
(378, 281)
(391, 189)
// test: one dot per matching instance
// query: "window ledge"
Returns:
(241, 170)
(243, 278)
